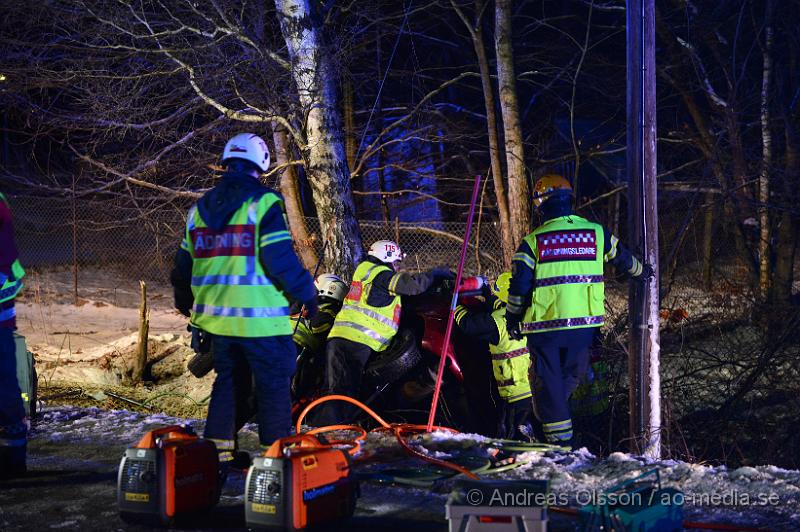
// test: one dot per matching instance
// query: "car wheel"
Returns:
(397, 360)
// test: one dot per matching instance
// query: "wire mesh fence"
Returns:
(140, 243)
(714, 360)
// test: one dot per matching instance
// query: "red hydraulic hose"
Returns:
(453, 302)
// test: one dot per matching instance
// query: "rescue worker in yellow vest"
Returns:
(312, 333)
(311, 336)
(368, 321)
(13, 428)
(511, 360)
(557, 298)
(233, 273)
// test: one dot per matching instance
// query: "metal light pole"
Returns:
(643, 354)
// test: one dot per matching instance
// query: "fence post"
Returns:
(74, 245)
(144, 327)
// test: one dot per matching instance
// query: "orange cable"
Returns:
(397, 429)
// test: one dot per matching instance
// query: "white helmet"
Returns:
(249, 147)
(386, 251)
(332, 286)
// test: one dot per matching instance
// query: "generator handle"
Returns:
(304, 441)
(151, 439)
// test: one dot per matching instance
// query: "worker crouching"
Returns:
(511, 360)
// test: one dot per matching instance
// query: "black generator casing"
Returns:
(299, 491)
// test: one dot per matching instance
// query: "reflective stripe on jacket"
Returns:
(232, 294)
(569, 291)
(360, 322)
(511, 362)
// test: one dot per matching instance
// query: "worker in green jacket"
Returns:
(557, 298)
(511, 360)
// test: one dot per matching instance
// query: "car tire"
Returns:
(398, 359)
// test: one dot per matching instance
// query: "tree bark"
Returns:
(291, 199)
(350, 142)
(324, 153)
(518, 192)
(764, 247)
(708, 240)
(476, 33)
(786, 248)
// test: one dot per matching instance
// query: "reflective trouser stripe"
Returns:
(247, 280)
(373, 315)
(363, 330)
(242, 312)
(563, 323)
(560, 431)
(12, 442)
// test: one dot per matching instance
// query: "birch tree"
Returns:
(518, 190)
(324, 151)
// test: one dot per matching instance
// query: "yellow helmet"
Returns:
(547, 185)
(500, 286)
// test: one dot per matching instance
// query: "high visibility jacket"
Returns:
(12, 284)
(568, 267)
(511, 362)
(310, 337)
(232, 294)
(360, 322)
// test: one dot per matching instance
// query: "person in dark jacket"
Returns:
(232, 275)
(511, 359)
(13, 428)
(368, 321)
(557, 298)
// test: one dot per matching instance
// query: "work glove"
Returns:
(310, 308)
(648, 273)
(513, 326)
(442, 272)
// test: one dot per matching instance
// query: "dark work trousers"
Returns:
(12, 411)
(560, 359)
(512, 416)
(271, 361)
(345, 362)
(13, 430)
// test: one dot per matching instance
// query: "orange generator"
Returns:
(299, 482)
(169, 473)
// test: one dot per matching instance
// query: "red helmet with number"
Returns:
(386, 251)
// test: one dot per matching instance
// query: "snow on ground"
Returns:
(763, 496)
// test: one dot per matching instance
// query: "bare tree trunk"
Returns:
(324, 152)
(708, 239)
(786, 248)
(766, 162)
(518, 193)
(291, 199)
(350, 142)
(476, 33)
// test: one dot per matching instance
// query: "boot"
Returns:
(13, 450)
